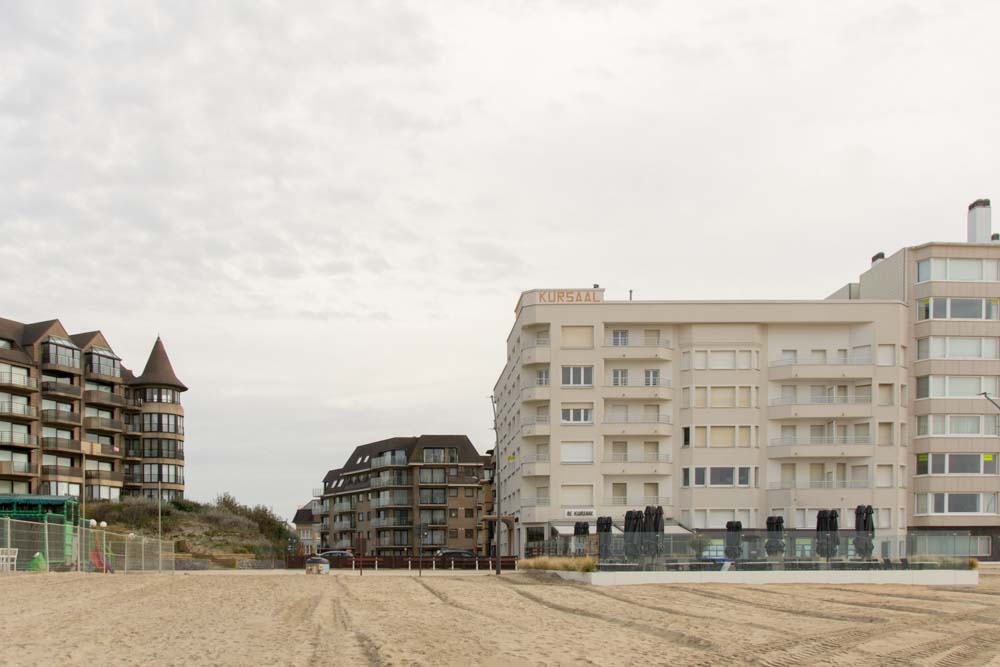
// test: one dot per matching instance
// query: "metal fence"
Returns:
(792, 549)
(59, 547)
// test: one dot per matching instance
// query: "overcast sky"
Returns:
(328, 209)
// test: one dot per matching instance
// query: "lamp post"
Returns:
(987, 397)
(159, 522)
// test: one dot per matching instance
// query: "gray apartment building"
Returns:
(740, 410)
(74, 421)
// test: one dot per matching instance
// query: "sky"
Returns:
(328, 210)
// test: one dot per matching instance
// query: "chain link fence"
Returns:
(59, 547)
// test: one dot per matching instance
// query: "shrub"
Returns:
(563, 563)
(185, 505)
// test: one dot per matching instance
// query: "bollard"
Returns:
(453, 563)
(477, 564)
(409, 564)
(434, 564)
(515, 564)
(376, 564)
(491, 563)
(352, 565)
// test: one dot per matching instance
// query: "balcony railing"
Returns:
(63, 388)
(61, 416)
(61, 443)
(809, 360)
(536, 384)
(342, 544)
(103, 397)
(384, 460)
(110, 475)
(639, 501)
(823, 484)
(535, 501)
(64, 360)
(17, 410)
(18, 468)
(381, 482)
(535, 419)
(663, 457)
(637, 341)
(103, 423)
(16, 438)
(66, 471)
(344, 525)
(535, 458)
(133, 478)
(822, 400)
(392, 522)
(20, 381)
(317, 491)
(343, 507)
(641, 382)
(823, 440)
(134, 403)
(637, 419)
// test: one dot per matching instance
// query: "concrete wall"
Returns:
(913, 577)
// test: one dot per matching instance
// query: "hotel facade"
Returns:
(75, 422)
(740, 410)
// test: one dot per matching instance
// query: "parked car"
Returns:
(454, 553)
(337, 553)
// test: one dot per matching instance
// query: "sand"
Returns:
(470, 619)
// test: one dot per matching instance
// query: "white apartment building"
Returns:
(739, 410)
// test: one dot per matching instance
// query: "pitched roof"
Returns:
(158, 369)
(413, 446)
(34, 332)
(303, 515)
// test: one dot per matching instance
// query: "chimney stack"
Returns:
(877, 257)
(979, 221)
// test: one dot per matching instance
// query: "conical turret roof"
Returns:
(158, 369)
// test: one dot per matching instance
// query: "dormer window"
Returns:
(103, 361)
(61, 352)
(6, 344)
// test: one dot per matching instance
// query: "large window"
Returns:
(162, 448)
(55, 489)
(434, 517)
(955, 503)
(433, 496)
(957, 464)
(162, 423)
(104, 363)
(955, 386)
(103, 492)
(956, 308)
(61, 352)
(957, 347)
(161, 395)
(956, 269)
(432, 476)
(577, 415)
(440, 455)
(958, 425)
(577, 376)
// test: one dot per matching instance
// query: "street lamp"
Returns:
(987, 397)
(496, 479)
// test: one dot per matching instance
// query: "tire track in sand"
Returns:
(367, 645)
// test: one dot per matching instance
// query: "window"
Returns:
(577, 452)
(743, 478)
(432, 497)
(619, 337)
(577, 415)
(957, 347)
(685, 477)
(470, 513)
(470, 492)
(955, 386)
(619, 377)
(686, 436)
(542, 377)
(722, 359)
(5, 344)
(721, 476)
(432, 476)
(453, 513)
(162, 423)
(651, 377)
(940, 308)
(453, 492)
(699, 477)
(578, 376)
(469, 533)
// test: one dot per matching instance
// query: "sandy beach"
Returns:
(446, 618)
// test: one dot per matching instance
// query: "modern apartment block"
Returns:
(377, 501)
(738, 410)
(74, 421)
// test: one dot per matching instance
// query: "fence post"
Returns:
(142, 556)
(104, 544)
(8, 532)
(45, 527)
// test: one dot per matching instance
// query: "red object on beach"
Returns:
(97, 560)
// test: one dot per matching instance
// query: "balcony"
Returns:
(638, 502)
(104, 371)
(388, 459)
(61, 389)
(821, 368)
(654, 389)
(17, 411)
(344, 526)
(133, 479)
(821, 407)
(535, 465)
(339, 508)
(637, 347)
(61, 417)
(637, 425)
(62, 471)
(102, 424)
(18, 468)
(539, 353)
(342, 544)
(103, 398)
(133, 404)
(133, 427)
(317, 492)
(66, 363)
(392, 480)
(535, 392)
(439, 499)
(821, 447)
(392, 522)
(637, 464)
(822, 484)
(19, 383)
(392, 500)
(100, 449)
(535, 426)
(16, 438)
(106, 475)
(61, 444)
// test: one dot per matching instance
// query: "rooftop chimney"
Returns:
(979, 221)
(877, 257)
